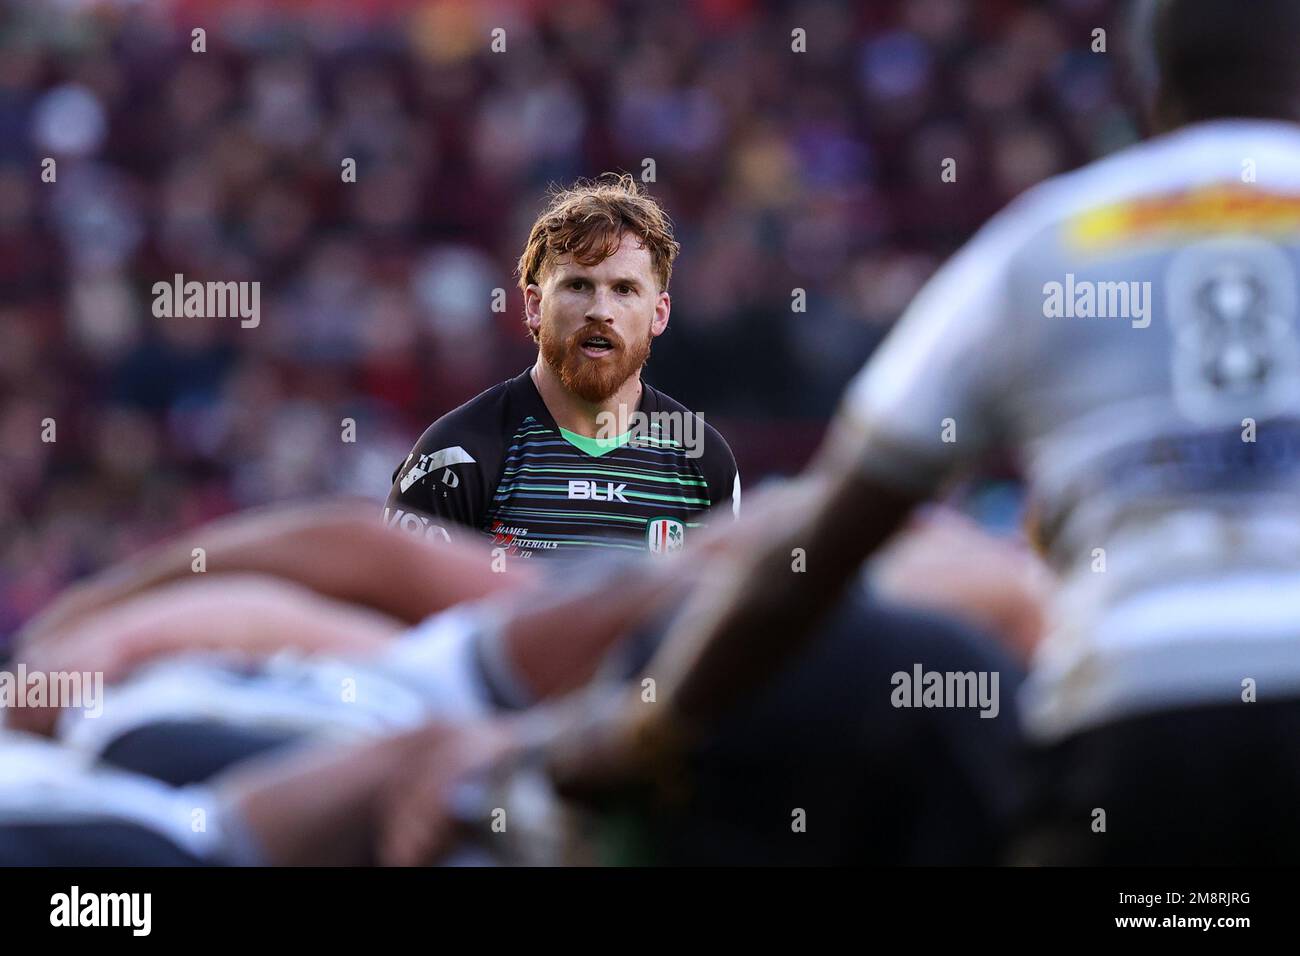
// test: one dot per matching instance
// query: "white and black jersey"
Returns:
(1131, 331)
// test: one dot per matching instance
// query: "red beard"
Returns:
(591, 380)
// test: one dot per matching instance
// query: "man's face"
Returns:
(595, 323)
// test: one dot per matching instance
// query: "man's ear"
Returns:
(533, 307)
(662, 309)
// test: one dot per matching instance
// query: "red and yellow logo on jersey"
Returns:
(1210, 209)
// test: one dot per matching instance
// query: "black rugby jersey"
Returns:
(501, 465)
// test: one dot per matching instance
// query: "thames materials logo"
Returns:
(665, 534)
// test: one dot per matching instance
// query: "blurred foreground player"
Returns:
(577, 452)
(316, 807)
(1132, 330)
(276, 646)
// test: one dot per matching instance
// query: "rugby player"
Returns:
(577, 452)
(1161, 444)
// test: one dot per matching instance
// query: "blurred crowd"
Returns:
(783, 170)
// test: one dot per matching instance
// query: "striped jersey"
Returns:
(501, 465)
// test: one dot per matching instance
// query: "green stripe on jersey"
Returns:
(642, 495)
(673, 479)
(595, 447)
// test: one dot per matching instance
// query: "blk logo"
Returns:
(590, 491)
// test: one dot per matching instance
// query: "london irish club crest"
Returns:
(664, 535)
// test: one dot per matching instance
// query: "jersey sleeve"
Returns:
(721, 473)
(926, 402)
(447, 479)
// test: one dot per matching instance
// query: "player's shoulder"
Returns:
(714, 447)
(484, 412)
(1182, 159)
(473, 433)
(485, 421)
(705, 444)
(1021, 227)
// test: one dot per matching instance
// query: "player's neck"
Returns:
(581, 417)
